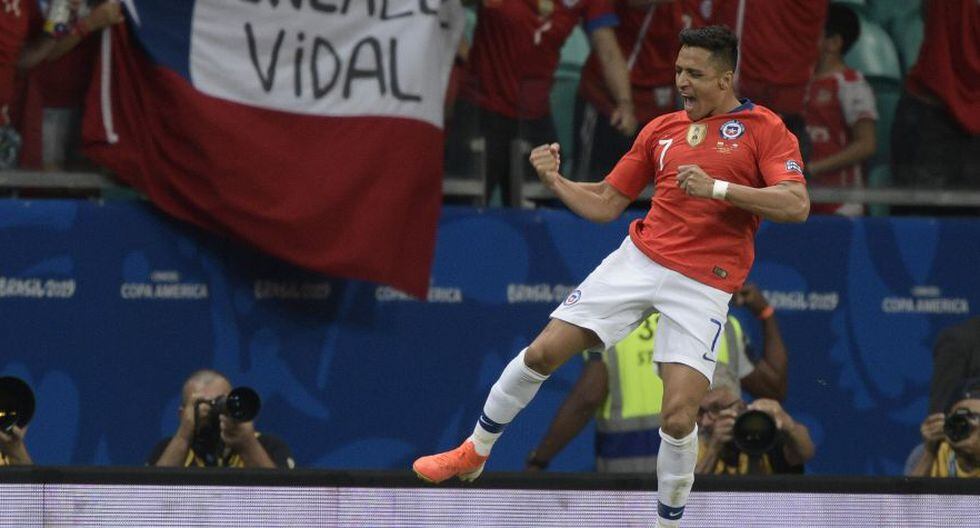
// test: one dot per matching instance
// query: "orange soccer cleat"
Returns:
(462, 462)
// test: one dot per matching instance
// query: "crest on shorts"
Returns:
(573, 298)
(732, 129)
(696, 134)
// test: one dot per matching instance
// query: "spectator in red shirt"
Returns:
(840, 113)
(647, 35)
(24, 45)
(515, 52)
(936, 134)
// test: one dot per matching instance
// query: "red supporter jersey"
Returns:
(949, 60)
(652, 71)
(516, 48)
(834, 103)
(710, 241)
(16, 17)
(778, 42)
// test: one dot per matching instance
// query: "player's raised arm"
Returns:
(786, 201)
(599, 202)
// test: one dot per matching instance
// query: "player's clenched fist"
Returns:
(546, 160)
(694, 181)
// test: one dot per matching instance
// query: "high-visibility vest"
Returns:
(628, 421)
(946, 465)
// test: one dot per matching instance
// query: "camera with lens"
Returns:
(16, 403)
(754, 432)
(959, 424)
(241, 405)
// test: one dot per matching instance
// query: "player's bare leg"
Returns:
(515, 388)
(684, 388)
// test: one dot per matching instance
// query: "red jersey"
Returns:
(710, 241)
(778, 46)
(516, 48)
(651, 63)
(949, 60)
(16, 18)
(834, 103)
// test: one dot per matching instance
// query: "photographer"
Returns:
(206, 439)
(951, 440)
(13, 450)
(724, 452)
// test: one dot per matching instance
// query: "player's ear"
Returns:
(726, 80)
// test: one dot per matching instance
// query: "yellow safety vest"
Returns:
(628, 420)
(946, 464)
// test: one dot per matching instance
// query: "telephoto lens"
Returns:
(16, 403)
(754, 432)
(957, 425)
(242, 404)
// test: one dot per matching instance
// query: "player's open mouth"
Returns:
(688, 102)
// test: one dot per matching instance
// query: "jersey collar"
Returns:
(746, 106)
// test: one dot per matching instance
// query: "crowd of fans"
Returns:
(808, 60)
(819, 64)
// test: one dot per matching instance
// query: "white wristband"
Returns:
(719, 190)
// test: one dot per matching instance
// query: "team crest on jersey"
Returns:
(696, 134)
(732, 129)
(573, 297)
(793, 166)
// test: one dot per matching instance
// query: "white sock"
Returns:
(516, 386)
(675, 475)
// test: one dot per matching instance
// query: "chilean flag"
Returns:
(311, 129)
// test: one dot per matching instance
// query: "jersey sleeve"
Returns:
(779, 155)
(599, 14)
(857, 101)
(636, 169)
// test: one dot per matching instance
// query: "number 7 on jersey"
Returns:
(666, 143)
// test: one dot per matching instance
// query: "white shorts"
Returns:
(628, 286)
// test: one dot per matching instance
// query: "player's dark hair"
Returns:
(842, 22)
(719, 40)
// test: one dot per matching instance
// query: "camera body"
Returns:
(241, 405)
(959, 424)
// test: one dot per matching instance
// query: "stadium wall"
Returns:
(106, 307)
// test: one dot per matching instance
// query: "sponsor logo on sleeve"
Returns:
(793, 166)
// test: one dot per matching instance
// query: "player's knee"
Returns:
(540, 358)
(678, 421)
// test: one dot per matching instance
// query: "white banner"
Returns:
(328, 57)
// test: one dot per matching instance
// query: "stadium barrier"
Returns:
(125, 497)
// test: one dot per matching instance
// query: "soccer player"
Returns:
(718, 167)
